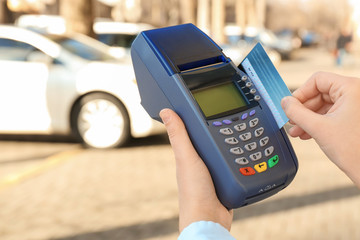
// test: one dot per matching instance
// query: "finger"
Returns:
(189, 166)
(305, 136)
(296, 131)
(315, 103)
(179, 139)
(318, 83)
(304, 118)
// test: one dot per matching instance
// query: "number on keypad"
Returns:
(251, 146)
(264, 141)
(256, 156)
(253, 122)
(245, 136)
(240, 127)
(236, 151)
(231, 141)
(226, 131)
(259, 132)
(241, 161)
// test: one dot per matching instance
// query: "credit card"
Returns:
(267, 80)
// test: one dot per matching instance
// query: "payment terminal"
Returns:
(228, 120)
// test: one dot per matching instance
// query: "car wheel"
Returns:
(101, 121)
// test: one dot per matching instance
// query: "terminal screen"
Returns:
(219, 100)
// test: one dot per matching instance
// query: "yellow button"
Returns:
(261, 167)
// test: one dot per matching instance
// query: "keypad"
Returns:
(248, 143)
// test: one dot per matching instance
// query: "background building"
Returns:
(210, 15)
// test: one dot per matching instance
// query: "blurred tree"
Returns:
(158, 15)
(79, 16)
(251, 17)
(240, 12)
(218, 20)
(187, 11)
(203, 17)
(172, 7)
(260, 6)
(6, 16)
(323, 16)
(127, 11)
(101, 10)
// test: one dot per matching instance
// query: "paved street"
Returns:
(58, 190)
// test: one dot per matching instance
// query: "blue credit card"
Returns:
(268, 81)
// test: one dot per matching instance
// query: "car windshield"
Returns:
(82, 48)
(117, 40)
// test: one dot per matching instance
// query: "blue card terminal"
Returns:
(231, 126)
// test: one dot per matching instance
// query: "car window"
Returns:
(82, 50)
(267, 37)
(117, 40)
(14, 50)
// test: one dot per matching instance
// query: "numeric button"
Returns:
(256, 156)
(241, 161)
(264, 141)
(236, 150)
(253, 122)
(268, 151)
(240, 127)
(259, 132)
(231, 141)
(245, 136)
(251, 146)
(226, 131)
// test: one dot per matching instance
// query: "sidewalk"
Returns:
(320, 204)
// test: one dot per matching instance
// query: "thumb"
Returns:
(179, 139)
(302, 116)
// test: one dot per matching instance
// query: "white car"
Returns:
(61, 85)
(118, 35)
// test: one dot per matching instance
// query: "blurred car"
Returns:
(237, 52)
(52, 24)
(309, 38)
(118, 35)
(237, 48)
(57, 84)
(290, 35)
(268, 39)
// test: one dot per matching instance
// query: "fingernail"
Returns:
(165, 116)
(284, 102)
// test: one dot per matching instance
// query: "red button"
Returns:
(247, 171)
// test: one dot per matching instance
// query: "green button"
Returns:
(273, 161)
